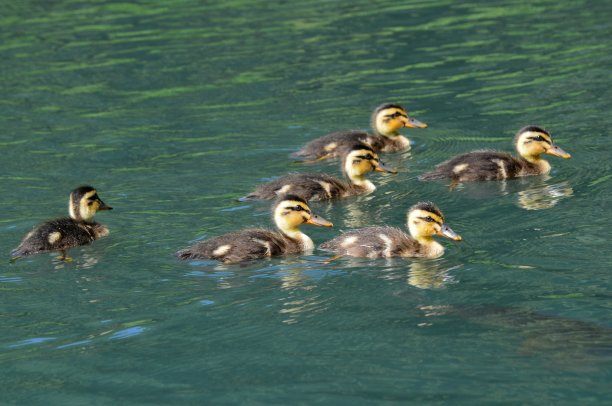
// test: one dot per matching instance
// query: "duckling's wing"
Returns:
(371, 242)
(55, 235)
(476, 165)
(237, 246)
(309, 186)
(330, 145)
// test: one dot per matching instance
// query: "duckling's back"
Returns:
(239, 246)
(331, 145)
(374, 242)
(308, 186)
(57, 235)
(476, 166)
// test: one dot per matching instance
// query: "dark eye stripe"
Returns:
(539, 138)
(298, 208)
(396, 114)
(429, 219)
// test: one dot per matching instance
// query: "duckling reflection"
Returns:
(544, 197)
(430, 274)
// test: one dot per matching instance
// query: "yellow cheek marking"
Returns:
(330, 147)
(222, 250)
(54, 237)
(460, 168)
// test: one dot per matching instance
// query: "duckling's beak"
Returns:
(319, 221)
(556, 151)
(383, 167)
(103, 206)
(414, 123)
(447, 232)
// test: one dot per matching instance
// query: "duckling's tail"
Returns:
(184, 254)
(248, 198)
(298, 154)
(433, 175)
(17, 253)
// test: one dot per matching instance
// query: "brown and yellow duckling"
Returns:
(387, 119)
(357, 162)
(424, 220)
(530, 142)
(289, 213)
(65, 233)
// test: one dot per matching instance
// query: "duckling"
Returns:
(530, 142)
(289, 213)
(357, 162)
(64, 233)
(424, 220)
(387, 119)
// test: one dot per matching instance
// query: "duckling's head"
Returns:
(533, 141)
(291, 211)
(84, 203)
(361, 159)
(389, 118)
(425, 220)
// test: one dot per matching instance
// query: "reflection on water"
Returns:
(534, 192)
(544, 197)
(431, 274)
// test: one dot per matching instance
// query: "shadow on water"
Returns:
(566, 343)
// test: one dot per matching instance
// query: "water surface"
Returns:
(173, 110)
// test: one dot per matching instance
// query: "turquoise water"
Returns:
(174, 110)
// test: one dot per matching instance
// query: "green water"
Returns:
(173, 110)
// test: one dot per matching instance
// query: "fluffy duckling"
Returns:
(387, 119)
(530, 142)
(424, 221)
(64, 233)
(357, 162)
(289, 213)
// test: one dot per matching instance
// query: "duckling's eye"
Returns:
(299, 208)
(428, 219)
(369, 156)
(89, 203)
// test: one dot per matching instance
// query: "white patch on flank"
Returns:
(326, 186)
(348, 241)
(502, 166)
(54, 237)
(267, 245)
(222, 250)
(388, 244)
(460, 168)
(283, 190)
(330, 147)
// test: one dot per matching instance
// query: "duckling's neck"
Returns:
(300, 237)
(395, 143)
(536, 164)
(361, 183)
(386, 132)
(431, 248)
(80, 219)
